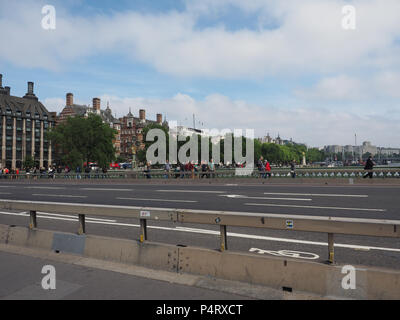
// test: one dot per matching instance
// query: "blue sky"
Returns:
(273, 66)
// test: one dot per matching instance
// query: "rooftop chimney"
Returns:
(96, 104)
(8, 90)
(142, 114)
(159, 118)
(70, 99)
(30, 88)
(1, 80)
(30, 94)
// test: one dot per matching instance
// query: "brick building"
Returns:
(132, 139)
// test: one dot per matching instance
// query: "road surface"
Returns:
(371, 202)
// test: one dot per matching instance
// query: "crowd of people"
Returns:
(264, 168)
(187, 170)
(51, 173)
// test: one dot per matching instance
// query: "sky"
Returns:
(289, 67)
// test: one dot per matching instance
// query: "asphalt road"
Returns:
(367, 201)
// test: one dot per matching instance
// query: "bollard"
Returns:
(82, 227)
(331, 249)
(33, 220)
(143, 230)
(224, 239)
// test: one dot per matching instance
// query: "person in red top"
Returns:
(267, 169)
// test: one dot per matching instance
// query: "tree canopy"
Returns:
(84, 140)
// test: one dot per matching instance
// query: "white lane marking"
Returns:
(192, 191)
(57, 216)
(103, 189)
(287, 253)
(238, 196)
(57, 195)
(158, 200)
(7, 187)
(70, 216)
(312, 207)
(51, 188)
(317, 194)
(5, 193)
(212, 232)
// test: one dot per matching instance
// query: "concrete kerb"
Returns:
(282, 274)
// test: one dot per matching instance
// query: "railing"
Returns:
(217, 174)
(329, 225)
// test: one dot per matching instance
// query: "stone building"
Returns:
(23, 127)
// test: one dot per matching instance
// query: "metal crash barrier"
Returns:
(328, 225)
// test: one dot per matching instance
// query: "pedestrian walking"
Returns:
(293, 169)
(211, 166)
(147, 170)
(260, 166)
(369, 166)
(78, 172)
(167, 168)
(267, 170)
(204, 170)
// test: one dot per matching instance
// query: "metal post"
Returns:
(33, 220)
(224, 238)
(82, 227)
(331, 250)
(143, 230)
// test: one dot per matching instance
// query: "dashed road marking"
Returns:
(313, 207)
(318, 194)
(57, 195)
(158, 200)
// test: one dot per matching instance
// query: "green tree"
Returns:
(29, 162)
(315, 155)
(84, 140)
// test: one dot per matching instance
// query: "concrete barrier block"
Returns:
(273, 272)
(383, 285)
(4, 233)
(20, 236)
(158, 256)
(70, 243)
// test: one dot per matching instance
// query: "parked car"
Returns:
(115, 166)
(126, 165)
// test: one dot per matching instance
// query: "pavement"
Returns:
(361, 201)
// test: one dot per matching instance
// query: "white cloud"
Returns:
(309, 38)
(344, 88)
